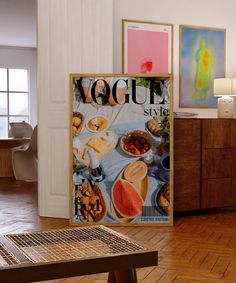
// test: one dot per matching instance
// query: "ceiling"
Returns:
(18, 23)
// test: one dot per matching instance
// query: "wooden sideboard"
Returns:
(204, 163)
(5, 155)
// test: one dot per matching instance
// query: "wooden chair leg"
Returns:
(123, 276)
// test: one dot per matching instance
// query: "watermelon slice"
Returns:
(127, 201)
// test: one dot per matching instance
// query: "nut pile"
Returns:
(91, 204)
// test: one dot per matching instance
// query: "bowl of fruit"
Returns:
(136, 143)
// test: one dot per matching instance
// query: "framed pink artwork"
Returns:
(147, 47)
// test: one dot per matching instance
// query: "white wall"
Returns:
(19, 57)
(80, 36)
(18, 23)
(209, 13)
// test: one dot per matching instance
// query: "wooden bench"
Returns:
(48, 255)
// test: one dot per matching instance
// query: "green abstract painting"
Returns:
(202, 58)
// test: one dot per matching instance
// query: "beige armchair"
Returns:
(25, 160)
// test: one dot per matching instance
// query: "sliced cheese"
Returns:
(98, 144)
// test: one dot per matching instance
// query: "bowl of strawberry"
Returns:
(137, 143)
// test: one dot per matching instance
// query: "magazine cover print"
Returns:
(121, 149)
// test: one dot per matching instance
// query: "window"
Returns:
(14, 98)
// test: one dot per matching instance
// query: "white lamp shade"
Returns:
(223, 86)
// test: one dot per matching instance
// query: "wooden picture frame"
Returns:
(127, 120)
(202, 58)
(155, 47)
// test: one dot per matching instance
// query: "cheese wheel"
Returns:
(135, 171)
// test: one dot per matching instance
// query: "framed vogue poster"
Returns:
(121, 149)
(202, 58)
(147, 47)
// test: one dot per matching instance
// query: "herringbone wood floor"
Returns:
(199, 248)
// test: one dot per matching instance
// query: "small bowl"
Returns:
(164, 122)
(79, 128)
(139, 133)
(97, 130)
(161, 209)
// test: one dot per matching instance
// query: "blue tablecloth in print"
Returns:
(115, 162)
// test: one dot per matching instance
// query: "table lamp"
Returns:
(225, 87)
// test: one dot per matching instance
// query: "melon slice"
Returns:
(127, 201)
(135, 171)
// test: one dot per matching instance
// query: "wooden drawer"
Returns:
(218, 133)
(186, 194)
(187, 133)
(233, 133)
(219, 163)
(204, 163)
(234, 164)
(186, 184)
(218, 193)
(187, 153)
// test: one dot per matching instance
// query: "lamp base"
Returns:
(225, 107)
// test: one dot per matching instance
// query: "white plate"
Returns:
(94, 131)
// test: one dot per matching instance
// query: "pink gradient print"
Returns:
(148, 51)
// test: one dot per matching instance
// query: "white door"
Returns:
(74, 36)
